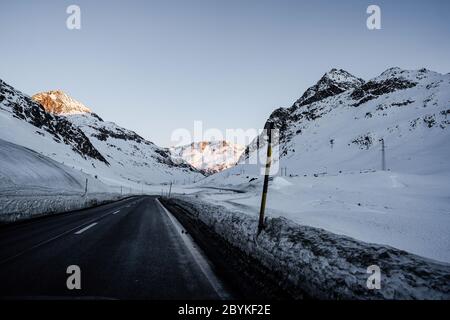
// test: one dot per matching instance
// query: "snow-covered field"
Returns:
(409, 212)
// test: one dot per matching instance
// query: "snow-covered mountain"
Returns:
(58, 102)
(72, 135)
(208, 156)
(332, 83)
(341, 129)
(23, 120)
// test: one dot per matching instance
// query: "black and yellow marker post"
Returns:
(268, 130)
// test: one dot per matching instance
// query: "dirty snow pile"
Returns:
(322, 264)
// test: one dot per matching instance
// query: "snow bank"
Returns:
(32, 184)
(323, 264)
(14, 208)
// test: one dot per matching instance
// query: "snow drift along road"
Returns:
(32, 184)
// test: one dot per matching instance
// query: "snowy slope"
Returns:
(330, 152)
(208, 156)
(31, 184)
(26, 172)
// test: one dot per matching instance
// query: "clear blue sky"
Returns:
(154, 66)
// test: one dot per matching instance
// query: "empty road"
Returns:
(131, 249)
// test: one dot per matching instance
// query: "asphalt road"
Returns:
(131, 249)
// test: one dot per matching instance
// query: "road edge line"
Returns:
(198, 255)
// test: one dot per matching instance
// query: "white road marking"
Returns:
(85, 228)
(115, 212)
(198, 255)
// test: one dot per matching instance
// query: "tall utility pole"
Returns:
(383, 155)
(85, 187)
(170, 188)
(268, 128)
